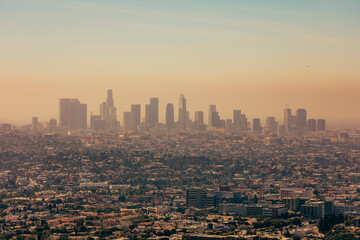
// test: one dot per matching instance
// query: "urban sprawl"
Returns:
(227, 179)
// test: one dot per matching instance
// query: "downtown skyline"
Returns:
(73, 116)
(257, 56)
(159, 116)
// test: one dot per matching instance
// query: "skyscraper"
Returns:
(199, 117)
(301, 121)
(108, 111)
(152, 112)
(256, 125)
(237, 120)
(154, 119)
(182, 112)
(35, 124)
(271, 124)
(129, 121)
(212, 115)
(52, 124)
(237, 117)
(72, 114)
(136, 111)
(109, 99)
(243, 122)
(287, 120)
(321, 125)
(94, 119)
(312, 125)
(103, 110)
(170, 116)
(148, 114)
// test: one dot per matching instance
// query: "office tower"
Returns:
(136, 111)
(214, 118)
(169, 118)
(109, 99)
(189, 123)
(271, 124)
(321, 125)
(72, 114)
(312, 125)
(129, 121)
(301, 121)
(108, 112)
(228, 124)
(243, 122)
(35, 124)
(212, 108)
(236, 126)
(154, 116)
(281, 130)
(199, 117)
(52, 124)
(148, 114)
(94, 119)
(196, 197)
(103, 110)
(237, 117)
(256, 125)
(152, 112)
(220, 123)
(99, 124)
(82, 116)
(112, 122)
(287, 120)
(182, 112)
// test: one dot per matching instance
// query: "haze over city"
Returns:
(251, 55)
(179, 119)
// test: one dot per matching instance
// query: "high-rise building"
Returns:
(182, 112)
(169, 116)
(271, 124)
(256, 125)
(72, 114)
(228, 124)
(199, 117)
(112, 122)
(243, 122)
(321, 125)
(109, 99)
(312, 125)
(94, 119)
(129, 121)
(52, 124)
(35, 124)
(103, 110)
(152, 112)
(281, 130)
(136, 111)
(108, 111)
(196, 197)
(236, 126)
(237, 117)
(287, 120)
(301, 121)
(214, 118)
(154, 116)
(148, 114)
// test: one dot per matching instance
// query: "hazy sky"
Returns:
(253, 55)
